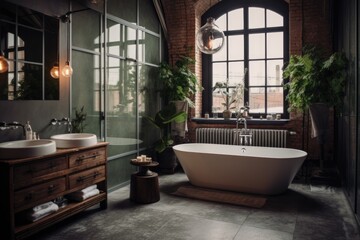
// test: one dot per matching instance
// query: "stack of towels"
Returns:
(84, 194)
(41, 211)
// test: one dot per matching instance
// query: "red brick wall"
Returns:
(309, 24)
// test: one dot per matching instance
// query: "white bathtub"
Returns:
(261, 170)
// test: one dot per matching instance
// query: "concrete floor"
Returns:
(304, 212)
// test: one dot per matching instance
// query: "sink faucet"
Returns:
(13, 125)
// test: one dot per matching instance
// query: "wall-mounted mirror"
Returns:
(29, 41)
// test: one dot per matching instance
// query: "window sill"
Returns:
(252, 121)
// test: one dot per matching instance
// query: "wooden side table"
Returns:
(144, 184)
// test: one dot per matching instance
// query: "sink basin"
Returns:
(74, 140)
(26, 148)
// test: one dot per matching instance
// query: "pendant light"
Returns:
(67, 69)
(209, 38)
(54, 72)
(4, 64)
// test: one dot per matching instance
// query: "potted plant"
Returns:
(179, 84)
(314, 79)
(232, 98)
(316, 83)
(163, 147)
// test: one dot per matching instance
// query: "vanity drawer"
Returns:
(88, 177)
(39, 192)
(88, 159)
(25, 175)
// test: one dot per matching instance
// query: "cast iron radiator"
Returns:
(260, 137)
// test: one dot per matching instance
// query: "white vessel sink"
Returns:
(26, 148)
(74, 140)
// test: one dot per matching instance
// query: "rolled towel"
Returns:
(88, 189)
(79, 196)
(41, 206)
(34, 216)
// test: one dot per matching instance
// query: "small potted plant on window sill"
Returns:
(232, 98)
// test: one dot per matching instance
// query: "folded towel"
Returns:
(34, 216)
(88, 189)
(79, 196)
(41, 206)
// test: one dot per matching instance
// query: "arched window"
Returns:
(256, 43)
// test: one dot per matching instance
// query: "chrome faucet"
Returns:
(12, 125)
(242, 136)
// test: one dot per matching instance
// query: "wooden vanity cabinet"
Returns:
(26, 183)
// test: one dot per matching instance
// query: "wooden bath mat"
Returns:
(221, 196)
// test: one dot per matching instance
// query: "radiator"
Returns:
(260, 137)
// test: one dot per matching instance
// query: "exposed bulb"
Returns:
(209, 38)
(54, 72)
(4, 65)
(67, 70)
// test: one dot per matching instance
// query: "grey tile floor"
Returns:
(303, 212)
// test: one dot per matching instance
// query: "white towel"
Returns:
(41, 206)
(33, 216)
(88, 189)
(79, 196)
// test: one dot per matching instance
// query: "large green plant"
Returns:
(315, 79)
(162, 121)
(178, 81)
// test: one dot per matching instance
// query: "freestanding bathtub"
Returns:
(260, 170)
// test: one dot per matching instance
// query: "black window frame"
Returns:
(225, 6)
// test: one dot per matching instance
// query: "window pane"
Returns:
(85, 30)
(257, 100)
(148, 104)
(87, 70)
(130, 43)
(221, 55)
(236, 47)
(147, 16)
(30, 18)
(221, 22)
(219, 72)
(236, 73)
(275, 100)
(30, 45)
(236, 19)
(275, 45)
(274, 72)
(256, 73)
(273, 19)
(114, 37)
(256, 17)
(29, 85)
(257, 46)
(121, 106)
(148, 48)
(123, 9)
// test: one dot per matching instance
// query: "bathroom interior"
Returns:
(115, 49)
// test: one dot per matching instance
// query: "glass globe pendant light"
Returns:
(209, 38)
(67, 70)
(4, 65)
(54, 72)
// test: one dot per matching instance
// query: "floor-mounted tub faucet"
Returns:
(242, 136)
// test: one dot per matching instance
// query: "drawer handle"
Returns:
(80, 159)
(83, 178)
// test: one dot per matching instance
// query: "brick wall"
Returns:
(309, 24)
